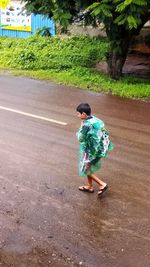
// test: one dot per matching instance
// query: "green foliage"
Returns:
(132, 12)
(128, 13)
(52, 53)
(44, 31)
(122, 19)
(26, 59)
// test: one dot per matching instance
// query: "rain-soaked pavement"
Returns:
(44, 219)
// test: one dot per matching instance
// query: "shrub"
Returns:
(52, 53)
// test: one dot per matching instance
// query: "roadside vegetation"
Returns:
(69, 61)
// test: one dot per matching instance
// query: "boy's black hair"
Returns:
(84, 107)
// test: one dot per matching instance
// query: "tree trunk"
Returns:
(120, 39)
(116, 59)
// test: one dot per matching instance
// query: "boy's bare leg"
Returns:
(89, 185)
(90, 181)
(97, 180)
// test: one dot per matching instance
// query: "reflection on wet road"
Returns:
(44, 219)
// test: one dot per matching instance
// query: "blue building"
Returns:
(14, 22)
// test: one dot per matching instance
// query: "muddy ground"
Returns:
(136, 65)
(44, 219)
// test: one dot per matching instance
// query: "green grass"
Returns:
(67, 61)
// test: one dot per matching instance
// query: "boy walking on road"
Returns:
(94, 145)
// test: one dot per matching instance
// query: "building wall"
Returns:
(76, 29)
(37, 22)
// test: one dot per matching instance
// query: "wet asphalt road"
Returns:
(44, 219)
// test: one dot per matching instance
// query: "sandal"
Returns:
(101, 191)
(85, 189)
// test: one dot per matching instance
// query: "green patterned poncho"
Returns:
(94, 145)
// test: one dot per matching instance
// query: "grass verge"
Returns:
(93, 81)
(67, 61)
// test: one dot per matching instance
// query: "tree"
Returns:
(122, 19)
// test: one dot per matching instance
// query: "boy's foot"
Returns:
(86, 189)
(101, 191)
